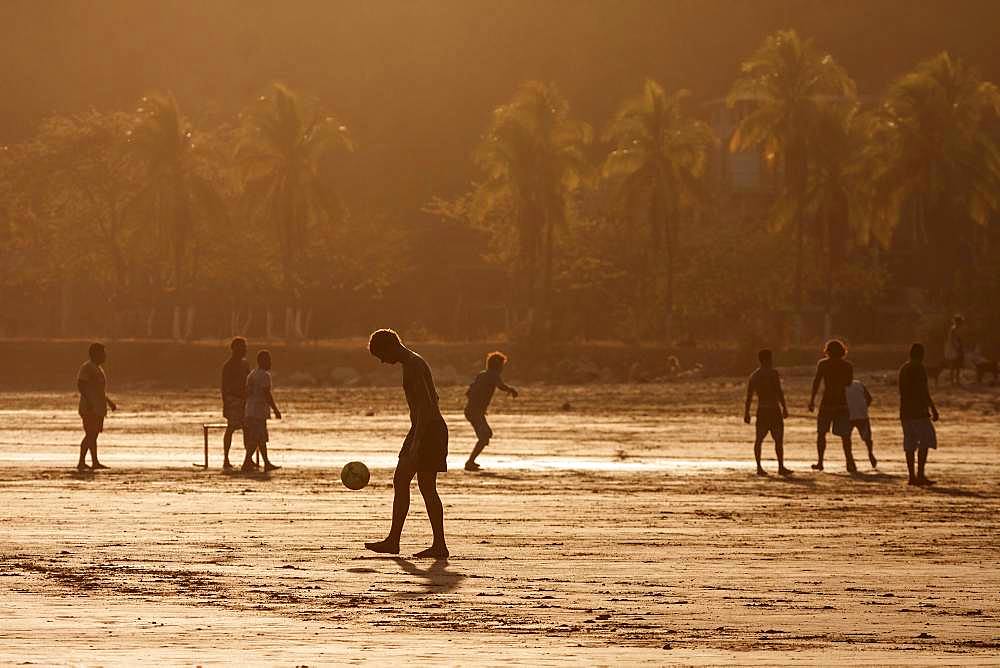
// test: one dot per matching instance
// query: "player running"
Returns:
(480, 394)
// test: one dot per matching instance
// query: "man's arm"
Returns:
(781, 398)
(868, 396)
(81, 385)
(930, 402)
(270, 402)
(506, 388)
(815, 387)
(749, 401)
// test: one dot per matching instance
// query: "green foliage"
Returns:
(112, 214)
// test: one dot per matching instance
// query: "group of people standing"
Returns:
(843, 408)
(248, 403)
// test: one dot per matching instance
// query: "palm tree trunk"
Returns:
(668, 248)
(547, 286)
(828, 236)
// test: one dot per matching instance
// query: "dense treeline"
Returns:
(793, 208)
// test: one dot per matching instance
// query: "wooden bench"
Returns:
(205, 428)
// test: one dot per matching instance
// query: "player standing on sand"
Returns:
(94, 404)
(771, 409)
(918, 413)
(480, 394)
(234, 394)
(259, 404)
(836, 374)
(425, 449)
(858, 400)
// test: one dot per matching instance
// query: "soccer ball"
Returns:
(355, 475)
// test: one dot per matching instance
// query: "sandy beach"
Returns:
(626, 529)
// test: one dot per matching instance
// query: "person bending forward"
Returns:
(425, 449)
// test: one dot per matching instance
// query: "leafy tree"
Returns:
(176, 194)
(657, 169)
(533, 159)
(286, 157)
(784, 87)
(935, 165)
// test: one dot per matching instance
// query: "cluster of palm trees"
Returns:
(129, 199)
(851, 171)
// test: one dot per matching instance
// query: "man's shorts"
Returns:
(918, 433)
(864, 427)
(769, 421)
(232, 410)
(92, 424)
(480, 425)
(254, 432)
(837, 418)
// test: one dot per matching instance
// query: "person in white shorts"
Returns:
(858, 401)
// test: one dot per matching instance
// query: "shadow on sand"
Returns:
(435, 579)
(957, 491)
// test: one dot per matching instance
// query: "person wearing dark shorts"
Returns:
(94, 404)
(917, 413)
(425, 449)
(234, 395)
(480, 394)
(765, 382)
(835, 373)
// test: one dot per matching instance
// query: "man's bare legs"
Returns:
(820, 450)
(849, 454)
(917, 477)
(94, 464)
(757, 444)
(84, 447)
(401, 480)
(470, 464)
(427, 482)
(871, 453)
(227, 443)
(779, 452)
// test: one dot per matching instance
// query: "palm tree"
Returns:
(286, 157)
(533, 159)
(784, 86)
(935, 165)
(175, 194)
(836, 194)
(657, 166)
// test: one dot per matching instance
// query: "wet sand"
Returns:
(629, 529)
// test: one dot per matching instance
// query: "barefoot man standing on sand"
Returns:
(918, 413)
(771, 409)
(234, 394)
(94, 404)
(425, 449)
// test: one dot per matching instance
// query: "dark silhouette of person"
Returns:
(954, 351)
(234, 394)
(835, 373)
(259, 404)
(94, 403)
(917, 413)
(765, 382)
(480, 394)
(425, 449)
